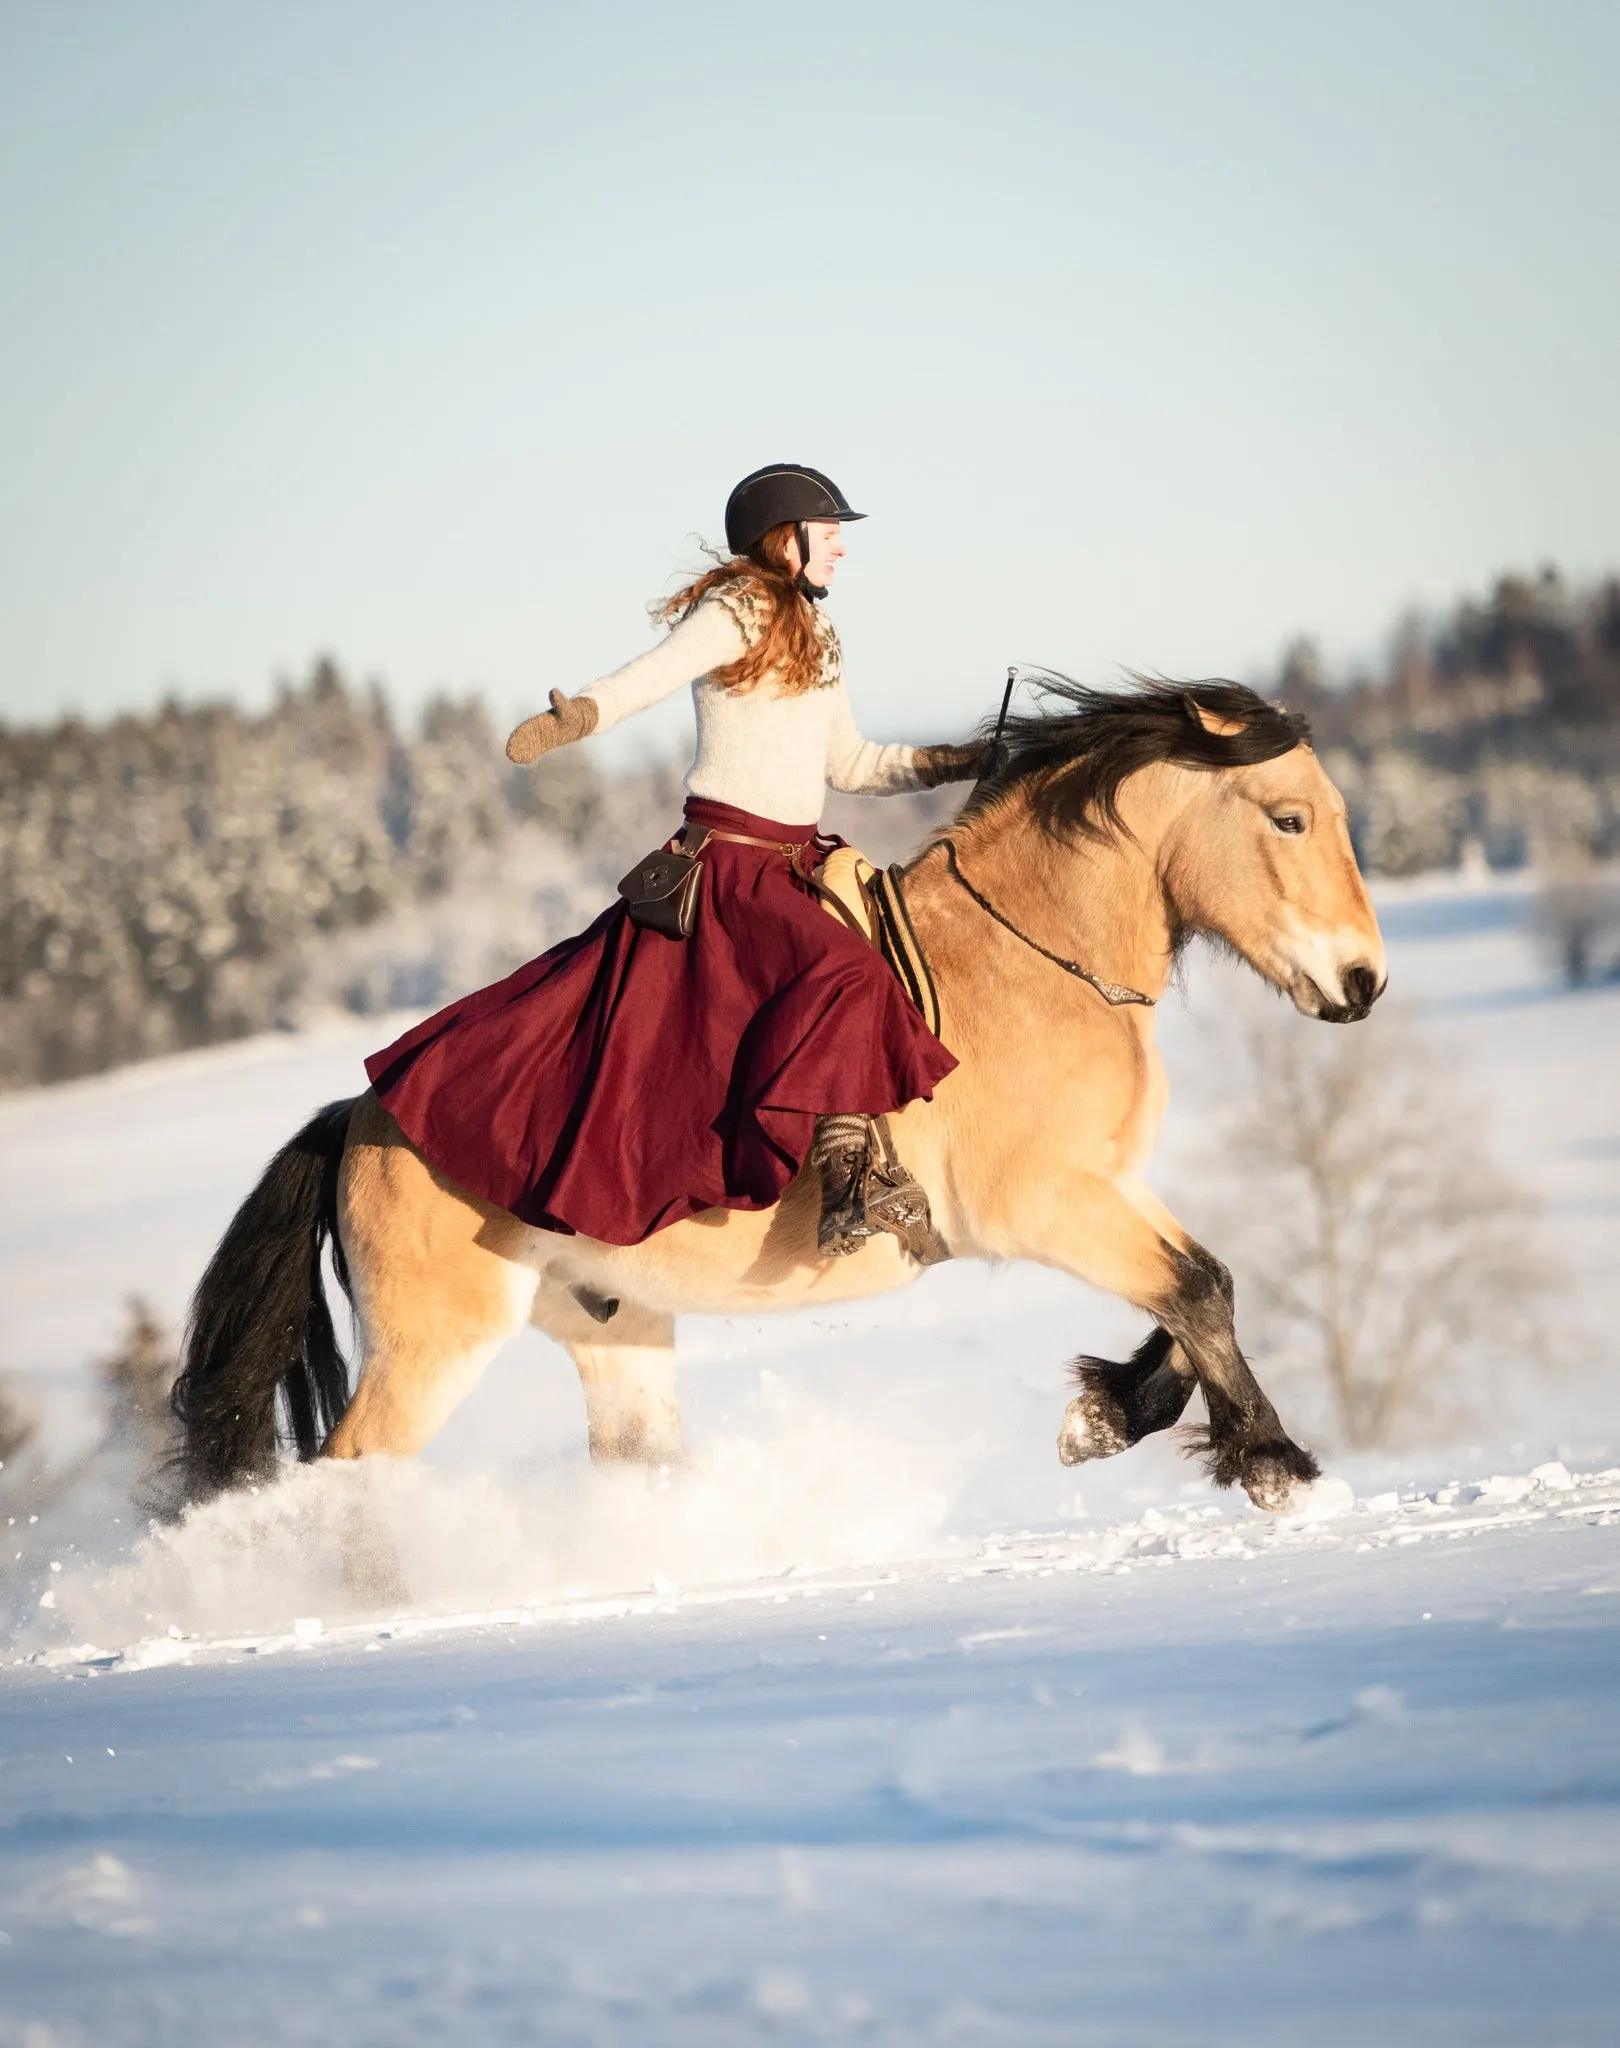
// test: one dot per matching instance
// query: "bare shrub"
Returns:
(1576, 915)
(17, 1426)
(138, 1434)
(1378, 1245)
(138, 1377)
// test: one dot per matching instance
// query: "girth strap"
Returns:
(899, 944)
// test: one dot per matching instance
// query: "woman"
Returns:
(625, 1079)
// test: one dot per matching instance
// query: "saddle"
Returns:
(870, 902)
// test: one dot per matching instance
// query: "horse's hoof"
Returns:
(630, 1442)
(1275, 1476)
(1094, 1426)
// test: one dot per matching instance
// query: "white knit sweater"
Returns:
(757, 749)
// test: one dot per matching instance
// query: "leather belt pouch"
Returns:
(661, 893)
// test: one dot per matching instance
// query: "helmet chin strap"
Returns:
(814, 591)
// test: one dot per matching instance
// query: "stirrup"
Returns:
(896, 1201)
(842, 1231)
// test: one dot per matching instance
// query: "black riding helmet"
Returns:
(780, 494)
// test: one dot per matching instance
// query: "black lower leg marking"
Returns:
(1244, 1441)
(1118, 1404)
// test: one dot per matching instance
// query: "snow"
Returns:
(871, 1726)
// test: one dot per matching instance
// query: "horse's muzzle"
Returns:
(1362, 988)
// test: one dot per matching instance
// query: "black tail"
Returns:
(259, 1322)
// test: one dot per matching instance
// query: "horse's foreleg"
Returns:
(630, 1403)
(1128, 1244)
(625, 1357)
(1119, 1404)
(1245, 1439)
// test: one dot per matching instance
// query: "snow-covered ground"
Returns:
(876, 1725)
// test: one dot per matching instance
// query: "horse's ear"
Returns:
(1211, 721)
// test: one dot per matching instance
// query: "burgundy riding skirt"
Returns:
(624, 1080)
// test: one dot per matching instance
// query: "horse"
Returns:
(1112, 828)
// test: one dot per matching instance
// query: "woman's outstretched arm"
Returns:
(707, 638)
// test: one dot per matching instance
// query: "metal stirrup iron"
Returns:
(896, 1201)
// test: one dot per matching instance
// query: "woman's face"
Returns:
(826, 540)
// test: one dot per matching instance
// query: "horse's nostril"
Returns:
(1360, 988)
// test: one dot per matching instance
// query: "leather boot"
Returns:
(865, 1189)
(839, 1152)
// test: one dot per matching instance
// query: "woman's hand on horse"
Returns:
(945, 763)
(570, 718)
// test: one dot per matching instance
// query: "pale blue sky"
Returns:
(433, 335)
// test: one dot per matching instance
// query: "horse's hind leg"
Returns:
(436, 1298)
(437, 1286)
(1118, 1405)
(625, 1357)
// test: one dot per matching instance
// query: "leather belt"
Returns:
(790, 849)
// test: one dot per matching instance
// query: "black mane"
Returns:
(1079, 753)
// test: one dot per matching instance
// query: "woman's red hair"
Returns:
(790, 645)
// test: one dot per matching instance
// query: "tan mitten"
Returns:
(570, 718)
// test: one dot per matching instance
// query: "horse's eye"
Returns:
(1289, 821)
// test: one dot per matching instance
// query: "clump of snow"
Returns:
(1323, 1501)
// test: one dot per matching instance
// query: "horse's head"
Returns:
(1222, 791)
(1262, 859)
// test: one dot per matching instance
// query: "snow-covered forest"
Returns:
(174, 880)
(1494, 725)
